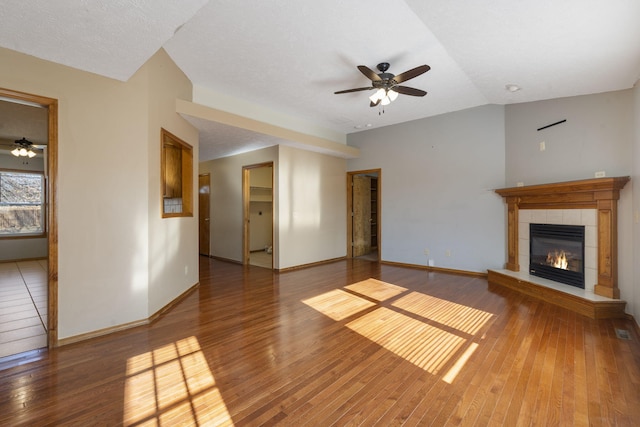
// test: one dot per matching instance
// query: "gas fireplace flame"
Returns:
(558, 259)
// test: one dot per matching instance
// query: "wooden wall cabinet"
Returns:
(172, 171)
(176, 176)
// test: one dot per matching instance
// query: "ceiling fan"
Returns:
(23, 148)
(388, 85)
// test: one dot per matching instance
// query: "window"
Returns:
(177, 176)
(21, 204)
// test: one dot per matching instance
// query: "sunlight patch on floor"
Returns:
(172, 384)
(462, 360)
(465, 319)
(338, 304)
(432, 333)
(376, 289)
(423, 345)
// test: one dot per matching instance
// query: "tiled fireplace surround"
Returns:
(586, 217)
(592, 203)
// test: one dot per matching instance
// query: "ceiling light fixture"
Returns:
(384, 96)
(23, 148)
(512, 87)
(368, 125)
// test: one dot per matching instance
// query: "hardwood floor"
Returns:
(328, 346)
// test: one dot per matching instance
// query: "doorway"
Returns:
(363, 213)
(50, 170)
(204, 220)
(257, 184)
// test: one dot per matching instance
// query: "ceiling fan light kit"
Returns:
(388, 85)
(23, 148)
(383, 96)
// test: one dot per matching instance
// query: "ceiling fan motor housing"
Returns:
(386, 83)
(387, 78)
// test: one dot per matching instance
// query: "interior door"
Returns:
(204, 221)
(361, 215)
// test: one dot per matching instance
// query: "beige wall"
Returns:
(110, 238)
(173, 261)
(312, 207)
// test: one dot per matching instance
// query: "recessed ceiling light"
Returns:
(512, 87)
(368, 125)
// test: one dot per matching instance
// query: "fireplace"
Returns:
(556, 252)
(600, 264)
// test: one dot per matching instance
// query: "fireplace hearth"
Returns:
(557, 253)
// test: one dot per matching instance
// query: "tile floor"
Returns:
(23, 306)
(261, 259)
(371, 256)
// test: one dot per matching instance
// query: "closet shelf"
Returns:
(261, 194)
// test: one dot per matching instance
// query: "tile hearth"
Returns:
(581, 301)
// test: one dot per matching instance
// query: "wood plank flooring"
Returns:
(328, 346)
(23, 306)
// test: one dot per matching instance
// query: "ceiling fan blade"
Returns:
(369, 73)
(409, 91)
(352, 90)
(414, 72)
(374, 104)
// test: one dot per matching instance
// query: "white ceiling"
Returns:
(290, 56)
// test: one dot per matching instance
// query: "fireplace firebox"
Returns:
(556, 252)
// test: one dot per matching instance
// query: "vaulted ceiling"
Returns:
(289, 57)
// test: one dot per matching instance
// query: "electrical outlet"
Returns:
(543, 146)
(447, 252)
(186, 270)
(520, 184)
(600, 174)
(426, 252)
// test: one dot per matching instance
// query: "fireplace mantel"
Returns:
(599, 193)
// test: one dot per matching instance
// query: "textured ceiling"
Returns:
(112, 38)
(290, 56)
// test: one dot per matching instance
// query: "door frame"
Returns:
(349, 239)
(51, 172)
(202, 175)
(246, 212)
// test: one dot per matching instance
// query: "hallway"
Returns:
(23, 306)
